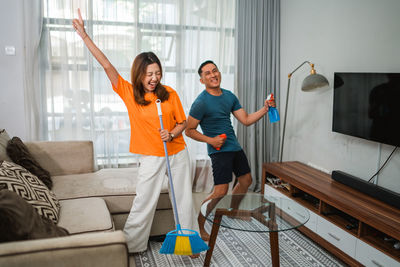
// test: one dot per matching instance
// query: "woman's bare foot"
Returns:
(194, 256)
(204, 235)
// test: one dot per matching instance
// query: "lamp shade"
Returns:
(314, 81)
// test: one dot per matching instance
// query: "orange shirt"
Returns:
(145, 123)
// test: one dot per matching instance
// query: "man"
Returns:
(212, 110)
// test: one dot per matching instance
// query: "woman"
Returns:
(147, 140)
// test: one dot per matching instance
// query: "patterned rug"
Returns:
(239, 248)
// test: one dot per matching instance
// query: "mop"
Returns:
(179, 241)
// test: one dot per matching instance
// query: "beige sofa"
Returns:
(94, 208)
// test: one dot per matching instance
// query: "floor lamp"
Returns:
(310, 83)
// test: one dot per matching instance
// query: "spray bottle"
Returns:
(272, 111)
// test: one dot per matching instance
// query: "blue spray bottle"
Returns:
(272, 111)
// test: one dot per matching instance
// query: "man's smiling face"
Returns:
(210, 76)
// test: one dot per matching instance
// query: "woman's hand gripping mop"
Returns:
(179, 241)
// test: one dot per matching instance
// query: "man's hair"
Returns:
(199, 71)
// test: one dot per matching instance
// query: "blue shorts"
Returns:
(226, 163)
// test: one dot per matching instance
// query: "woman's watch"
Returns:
(171, 135)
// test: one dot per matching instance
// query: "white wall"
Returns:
(12, 110)
(340, 35)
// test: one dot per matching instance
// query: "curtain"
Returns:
(32, 22)
(257, 75)
(77, 99)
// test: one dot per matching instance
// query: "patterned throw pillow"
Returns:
(19, 153)
(17, 179)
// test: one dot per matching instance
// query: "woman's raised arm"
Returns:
(110, 70)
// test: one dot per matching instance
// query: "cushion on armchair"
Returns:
(19, 153)
(20, 221)
(16, 178)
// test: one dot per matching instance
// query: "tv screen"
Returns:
(367, 105)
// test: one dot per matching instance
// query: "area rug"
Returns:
(239, 248)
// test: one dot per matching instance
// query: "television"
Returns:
(367, 105)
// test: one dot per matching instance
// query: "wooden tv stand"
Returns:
(353, 226)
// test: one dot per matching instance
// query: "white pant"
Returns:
(152, 175)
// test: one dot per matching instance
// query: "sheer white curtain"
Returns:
(32, 21)
(78, 101)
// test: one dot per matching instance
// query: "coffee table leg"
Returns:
(274, 243)
(213, 238)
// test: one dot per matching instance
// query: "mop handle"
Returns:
(158, 104)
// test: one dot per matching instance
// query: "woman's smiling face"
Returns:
(151, 78)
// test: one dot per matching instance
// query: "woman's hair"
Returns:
(138, 71)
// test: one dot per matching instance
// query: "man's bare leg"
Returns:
(221, 190)
(218, 191)
(243, 184)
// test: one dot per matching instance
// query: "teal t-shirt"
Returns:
(214, 114)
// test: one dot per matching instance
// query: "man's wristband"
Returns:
(171, 136)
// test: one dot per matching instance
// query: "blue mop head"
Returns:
(180, 243)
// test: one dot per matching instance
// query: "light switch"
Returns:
(10, 50)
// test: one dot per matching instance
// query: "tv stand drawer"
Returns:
(372, 257)
(336, 236)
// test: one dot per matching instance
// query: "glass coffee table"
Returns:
(253, 212)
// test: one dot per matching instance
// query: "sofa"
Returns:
(94, 207)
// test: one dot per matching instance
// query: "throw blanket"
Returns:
(20, 221)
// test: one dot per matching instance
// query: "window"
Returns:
(77, 99)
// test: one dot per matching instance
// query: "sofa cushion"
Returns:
(63, 157)
(20, 221)
(116, 186)
(86, 250)
(4, 138)
(84, 215)
(29, 187)
(20, 154)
